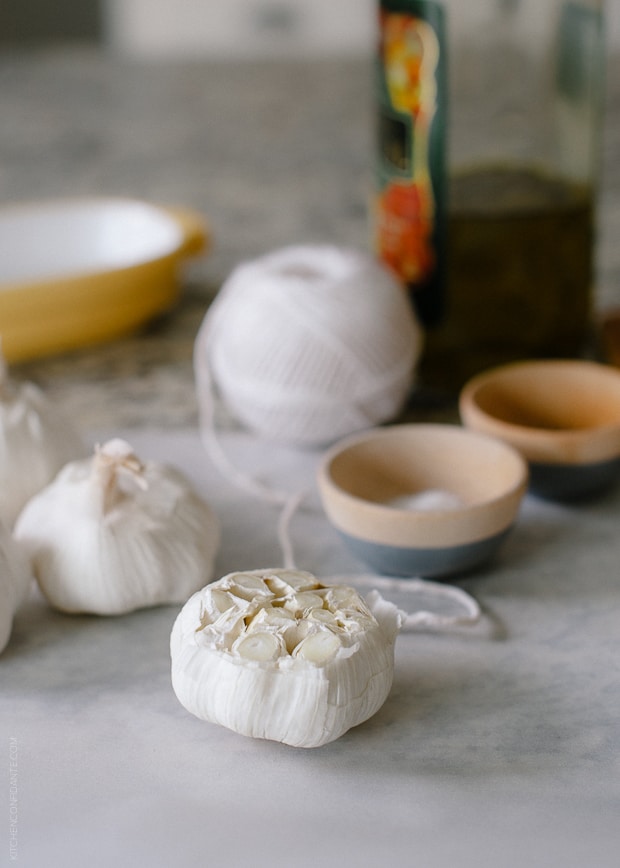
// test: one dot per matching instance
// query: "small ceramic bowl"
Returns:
(422, 500)
(562, 415)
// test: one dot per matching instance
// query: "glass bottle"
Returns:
(524, 105)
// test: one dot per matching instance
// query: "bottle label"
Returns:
(409, 207)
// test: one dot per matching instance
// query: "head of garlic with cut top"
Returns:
(15, 578)
(275, 654)
(112, 534)
(35, 442)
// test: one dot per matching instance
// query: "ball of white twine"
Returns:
(305, 345)
(309, 343)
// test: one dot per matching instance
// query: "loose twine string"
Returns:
(290, 503)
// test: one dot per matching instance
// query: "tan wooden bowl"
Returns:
(562, 415)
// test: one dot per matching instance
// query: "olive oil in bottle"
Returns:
(519, 272)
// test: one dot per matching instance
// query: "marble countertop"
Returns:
(498, 746)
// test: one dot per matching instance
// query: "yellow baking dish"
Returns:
(74, 272)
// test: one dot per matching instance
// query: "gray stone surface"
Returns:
(497, 747)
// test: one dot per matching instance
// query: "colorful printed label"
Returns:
(410, 212)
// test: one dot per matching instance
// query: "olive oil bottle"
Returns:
(502, 150)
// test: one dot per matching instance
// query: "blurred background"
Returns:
(213, 28)
(111, 97)
(194, 27)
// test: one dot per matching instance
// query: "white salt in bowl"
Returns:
(422, 500)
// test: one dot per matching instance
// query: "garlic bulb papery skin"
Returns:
(275, 654)
(15, 579)
(36, 441)
(111, 534)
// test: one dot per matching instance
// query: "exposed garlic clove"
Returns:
(258, 646)
(15, 578)
(271, 616)
(304, 602)
(111, 534)
(288, 580)
(296, 673)
(320, 647)
(35, 442)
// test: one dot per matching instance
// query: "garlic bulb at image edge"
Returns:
(277, 655)
(15, 578)
(111, 534)
(35, 442)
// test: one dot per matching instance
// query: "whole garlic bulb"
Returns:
(15, 577)
(275, 654)
(111, 534)
(35, 442)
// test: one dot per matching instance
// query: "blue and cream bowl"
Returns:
(562, 415)
(422, 500)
